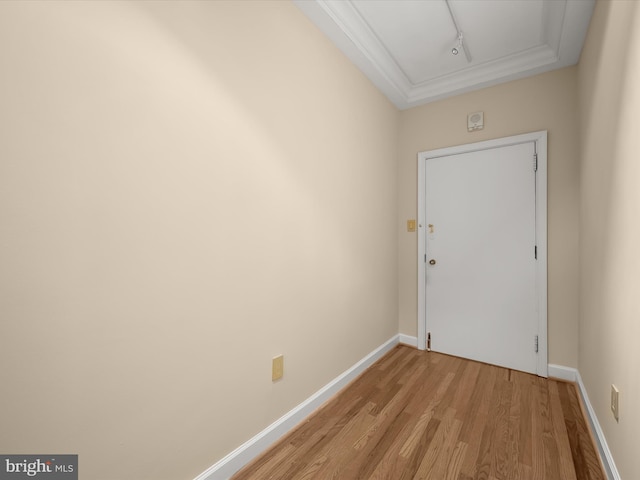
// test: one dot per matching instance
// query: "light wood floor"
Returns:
(424, 415)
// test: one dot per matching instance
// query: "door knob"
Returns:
(432, 261)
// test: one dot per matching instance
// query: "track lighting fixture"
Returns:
(459, 46)
(456, 50)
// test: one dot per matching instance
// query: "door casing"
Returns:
(540, 141)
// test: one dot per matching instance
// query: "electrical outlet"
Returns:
(615, 394)
(277, 368)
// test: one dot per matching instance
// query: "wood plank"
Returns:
(499, 453)
(585, 458)
(340, 448)
(567, 469)
(436, 461)
(513, 431)
(455, 462)
(475, 419)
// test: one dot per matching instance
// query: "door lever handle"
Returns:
(432, 261)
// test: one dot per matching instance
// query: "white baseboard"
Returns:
(567, 374)
(605, 454)
(573, 375)
(245, 453)
(408, 340)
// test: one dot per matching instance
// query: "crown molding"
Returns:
(566, 23)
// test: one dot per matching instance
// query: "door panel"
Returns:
(481, 295)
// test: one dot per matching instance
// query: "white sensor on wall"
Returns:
(475, 121)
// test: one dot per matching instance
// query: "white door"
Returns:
(480, 233)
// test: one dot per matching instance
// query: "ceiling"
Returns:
(405, 46)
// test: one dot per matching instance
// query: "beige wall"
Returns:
(609, 80)
(544, 102)
(187, 189)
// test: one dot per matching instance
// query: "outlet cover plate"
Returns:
(277, 368)
(615, 398)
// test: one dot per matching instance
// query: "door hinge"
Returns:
(429, 342)
(536, 343)
(535, 162)
(535, 252)
(425, 258)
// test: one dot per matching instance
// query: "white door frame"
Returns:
(540, 141)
